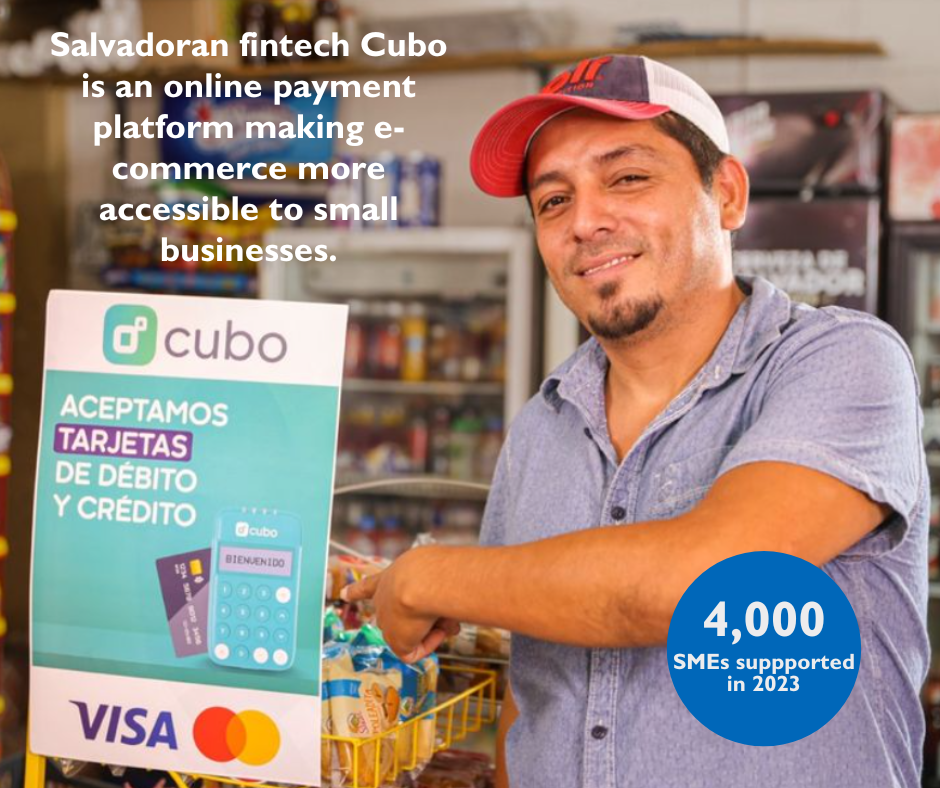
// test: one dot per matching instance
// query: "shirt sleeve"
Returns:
(493, 528)
(846, 403)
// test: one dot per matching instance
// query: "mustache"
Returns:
(591, 251)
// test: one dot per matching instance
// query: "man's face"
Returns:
(626, 229)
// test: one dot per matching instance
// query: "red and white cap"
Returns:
(623, 86)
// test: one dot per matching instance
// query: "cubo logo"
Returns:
(130, 334)
(130, 337)
(251, 736)
(243, 530)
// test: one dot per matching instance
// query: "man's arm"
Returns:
(506, 718)
(618, 586)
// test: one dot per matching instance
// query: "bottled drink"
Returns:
(437, 349)
(440, 442)
(453, 347)
(414, 331)
(390, 342)
(376, 316)
(278, 28)
(255, 17)
(349, 30)
(418, 444)
(357, 341)
(473, 342)
(465, 434)
(496, 346)
(326, 23)
(297, 18)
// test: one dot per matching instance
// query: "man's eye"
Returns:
(632, 178)
(551, 202)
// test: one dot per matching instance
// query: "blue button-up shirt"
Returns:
(829, 389)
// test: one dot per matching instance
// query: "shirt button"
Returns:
(598, 732)
(618, 513)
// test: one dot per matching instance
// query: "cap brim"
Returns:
(497, 160)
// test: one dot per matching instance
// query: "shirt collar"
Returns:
(757, 324)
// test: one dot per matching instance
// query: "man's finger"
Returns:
(429, 645)
(364, 589)
(449, 625)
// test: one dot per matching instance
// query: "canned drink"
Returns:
(420, 191)
(348, 191)
(409, 204)
(384, 193)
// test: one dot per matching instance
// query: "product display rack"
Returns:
(181, 282)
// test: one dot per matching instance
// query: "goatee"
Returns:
(623, 320)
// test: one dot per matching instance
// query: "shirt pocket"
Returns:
(682, 484)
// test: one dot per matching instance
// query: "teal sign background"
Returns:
(97, 604)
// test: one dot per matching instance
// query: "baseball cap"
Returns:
(631, 87)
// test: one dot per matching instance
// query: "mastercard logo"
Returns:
(250, 736)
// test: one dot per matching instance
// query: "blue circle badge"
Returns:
(764, 648)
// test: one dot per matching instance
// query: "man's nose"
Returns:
(592, 216)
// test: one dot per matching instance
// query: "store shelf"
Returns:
(536, 58)
(426, 388)
(199, 283)
(417, 486)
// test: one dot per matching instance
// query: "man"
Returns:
(706, 417)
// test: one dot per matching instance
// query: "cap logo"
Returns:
(581, 77)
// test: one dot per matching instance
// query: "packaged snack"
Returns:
(334, 655)
(332, 626)
(415, 746)
(418, 695)
(367, 647)
(363, 704)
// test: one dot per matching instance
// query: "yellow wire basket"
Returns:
(379, 760)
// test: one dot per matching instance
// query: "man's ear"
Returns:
(730, 188)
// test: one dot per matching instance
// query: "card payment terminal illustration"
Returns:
(254, 589)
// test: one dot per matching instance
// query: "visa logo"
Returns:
(132, 727)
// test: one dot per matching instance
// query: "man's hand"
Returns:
(400, 612)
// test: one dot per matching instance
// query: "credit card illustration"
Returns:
(254, 589)
(184, 582)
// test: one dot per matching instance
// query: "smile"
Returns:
(607, 265)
